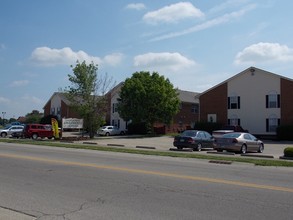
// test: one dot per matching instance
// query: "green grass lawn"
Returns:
(55, 143)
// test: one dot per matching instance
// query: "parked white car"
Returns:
(110, 130)
(10, 130)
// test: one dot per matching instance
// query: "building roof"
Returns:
(62, 96)
(252, 69)
(184, 96)
(187, 96)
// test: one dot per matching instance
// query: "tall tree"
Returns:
(87, 95)
(33, 117)
(148, 98)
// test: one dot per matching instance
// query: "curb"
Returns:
(285, 158)
(145, 147)
(220, 162)
(262, 156)
(89, 143)
(116, 145)
(183, 150)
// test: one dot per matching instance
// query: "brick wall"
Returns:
(286, 102)
(214, 102)
(47, 109)
(67, 112)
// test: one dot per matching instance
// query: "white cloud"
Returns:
(32, 100)
(163, 61)
(209, 23)
(226, 5)
(173, 13)
(66, 56)
(136, 6)
(113, 59)
(19, 83)
(264, 52)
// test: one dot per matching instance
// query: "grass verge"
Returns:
(258, 161)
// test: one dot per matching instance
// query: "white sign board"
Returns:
(72, 123)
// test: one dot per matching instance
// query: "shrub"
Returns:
(284, 132)
(137, 128)
(288, 152)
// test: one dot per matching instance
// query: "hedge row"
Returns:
(285, 132)
(288, 152)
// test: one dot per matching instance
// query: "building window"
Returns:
(234, 102)
(273, 100)
(114, 107)
(234, 120)
(212, 118)
(194, 108)
(272, 123)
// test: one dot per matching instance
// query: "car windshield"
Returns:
(231, 135)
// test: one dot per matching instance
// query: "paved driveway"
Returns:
(165, 143)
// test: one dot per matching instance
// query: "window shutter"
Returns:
(238, 102)
(267, 125)
(229, 121)
(267, 101)
(279, 122)
(228, 102)
(239, 121)
(279, 101)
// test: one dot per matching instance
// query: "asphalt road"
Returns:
(54, 183)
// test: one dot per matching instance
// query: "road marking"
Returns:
(130, 170)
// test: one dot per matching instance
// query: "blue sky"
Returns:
(196, 44)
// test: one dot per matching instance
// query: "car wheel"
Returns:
(199, 147)
(218, 150)
(179, 148)
(107, 134)
(122, 133)
(243, 149)
(260, 148)
(35, 136)
(3, 134)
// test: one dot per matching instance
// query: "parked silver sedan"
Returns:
(240, 142)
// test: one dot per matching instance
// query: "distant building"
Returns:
(186, 117)
(59, 105)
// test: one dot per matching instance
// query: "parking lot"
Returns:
(273, 149)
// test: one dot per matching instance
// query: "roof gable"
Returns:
(251, 70)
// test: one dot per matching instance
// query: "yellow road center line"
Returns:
(196, 178)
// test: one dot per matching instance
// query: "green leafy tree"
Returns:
(87, 95)
(148, 98)
(47, 120)
(33, 117)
